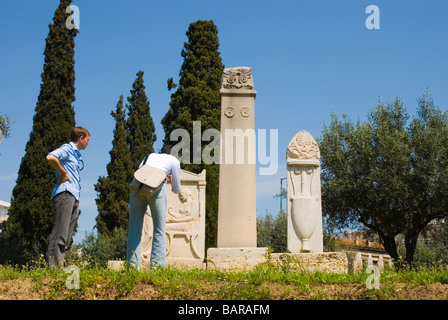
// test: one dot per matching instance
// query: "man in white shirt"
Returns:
(157, 201)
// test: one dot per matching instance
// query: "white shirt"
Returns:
(169, 164)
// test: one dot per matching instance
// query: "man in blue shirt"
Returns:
(67, 162)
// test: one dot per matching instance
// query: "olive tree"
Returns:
(387, 174)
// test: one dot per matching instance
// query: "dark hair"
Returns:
(166, 149)
(78, 132)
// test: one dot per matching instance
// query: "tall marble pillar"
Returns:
(237, 198)
(304, 195)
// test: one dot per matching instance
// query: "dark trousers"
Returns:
(65, 218)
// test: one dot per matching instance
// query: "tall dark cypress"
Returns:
(140, 124)
(31, 213)
(197, 99)
(113, 190)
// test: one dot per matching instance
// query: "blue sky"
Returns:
(308, 58)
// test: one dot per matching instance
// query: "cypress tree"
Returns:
(139, 124)
(113, 190)
(31, 213)
(197, 99)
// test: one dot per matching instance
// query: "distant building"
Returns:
(4, 207)
(359, 241)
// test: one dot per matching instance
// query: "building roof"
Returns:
(5, 204)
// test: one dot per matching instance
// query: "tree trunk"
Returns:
(391, 247)
(410, 243)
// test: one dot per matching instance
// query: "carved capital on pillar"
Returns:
(237, 80)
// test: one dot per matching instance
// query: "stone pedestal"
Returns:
(235, 258)
(241, 259)
(237, 222)
(115, 265)
(245, 259)
(332, 262)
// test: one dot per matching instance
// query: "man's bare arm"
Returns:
(55, 164)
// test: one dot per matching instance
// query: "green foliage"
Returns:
(170, 84)
(9, 248)
(432, 248)
(139, 124)
(98, 250)
(386, 174)
(273, 281)
(440, 242)
(31, 213)
(113, 190)
(5, 126)
(133, 140)
(197, 96)
(271, 232)
(197, 99)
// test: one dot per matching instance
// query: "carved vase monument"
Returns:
(304, 195)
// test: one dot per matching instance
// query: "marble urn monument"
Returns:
(304, 195)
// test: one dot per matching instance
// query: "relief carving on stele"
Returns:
(185, 223)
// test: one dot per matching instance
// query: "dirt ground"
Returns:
(26, 289)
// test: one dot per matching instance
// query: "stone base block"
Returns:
(247, 258)
(240, 259)
(179, 263)
(334, 262)
(235, 258)
(116, 265)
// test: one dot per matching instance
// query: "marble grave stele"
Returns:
(304, 206)
(237, 222)
(185, 224)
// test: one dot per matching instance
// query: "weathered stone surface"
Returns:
(358, 261)
(235, 258)
(116, 265)
(237, 222)
(238, 259)
(334, 262)
(304, 195)
(185, 223)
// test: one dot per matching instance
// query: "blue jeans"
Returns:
(138, 203)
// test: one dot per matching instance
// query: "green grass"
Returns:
(267, 281)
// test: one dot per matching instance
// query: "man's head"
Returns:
(166, 149)
(80, 136)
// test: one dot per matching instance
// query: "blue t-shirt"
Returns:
(70, 159)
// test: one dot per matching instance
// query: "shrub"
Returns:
(99, 249)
